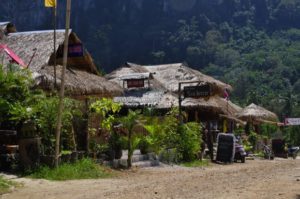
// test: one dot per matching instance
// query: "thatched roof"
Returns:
(131, 70)
(171, 74)
(254, 112)
(163, 92)
(147, 98)
(24, 44)
(214, 104)
(78, 83)
(136, 76)
(165, 100)
(83, 79)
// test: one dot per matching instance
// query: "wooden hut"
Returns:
(141, 89)
(82, 80)
(164, 90)
(257, 114)
(35, 48)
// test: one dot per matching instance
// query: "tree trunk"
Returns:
(62, 87)
(129, 163)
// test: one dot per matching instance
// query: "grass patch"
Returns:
(82, 169)
(5, 185)
(197, 163)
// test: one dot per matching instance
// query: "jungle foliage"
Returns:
(251, 44)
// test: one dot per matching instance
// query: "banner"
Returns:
(292, 121)
(50, 3)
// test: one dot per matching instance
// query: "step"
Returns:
(147, 163)
(138, 157)
(147, 160)
(135, 152)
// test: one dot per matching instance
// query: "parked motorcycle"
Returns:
(240, 153)
(293, 151)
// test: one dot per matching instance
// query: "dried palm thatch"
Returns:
(163, 93)
(147, 98)
(170, 75)
(214, 104)
(256, 113)
(25, 43)
(78, 83)
(134, 70)
(81, 78)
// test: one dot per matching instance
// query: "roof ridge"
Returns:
(37, 32)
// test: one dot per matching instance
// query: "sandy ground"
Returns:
(255, 179)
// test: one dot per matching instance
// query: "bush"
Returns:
(253, 138)
(190, 141)
(46, 118)
(186, 138)
(15, 94)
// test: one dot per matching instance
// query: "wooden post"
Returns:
(62, 87)
(54, 41)
(179, 103)
(196, 116)
(86, 117)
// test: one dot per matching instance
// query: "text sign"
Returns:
(292, 121)
(75, 50)
(135, 83)
(197, 91)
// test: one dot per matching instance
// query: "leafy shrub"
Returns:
(190, 141)
(253, 138)
(46, 122)
(184, 139)
(155, 136)
(15, 94)
(107, 109)
(133, 138)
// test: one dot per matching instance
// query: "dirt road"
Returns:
(255, 179)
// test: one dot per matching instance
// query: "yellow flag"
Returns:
(50, 3)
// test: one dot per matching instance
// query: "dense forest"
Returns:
(252, 44)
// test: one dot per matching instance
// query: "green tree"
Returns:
(133, 138)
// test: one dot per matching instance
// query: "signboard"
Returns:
(135, 83)
(292, 121)
(225, 150)
(197, 91)
(74, 50)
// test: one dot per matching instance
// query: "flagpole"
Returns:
(54, 41)
(62, 86)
